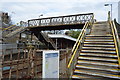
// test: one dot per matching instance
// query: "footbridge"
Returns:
(61, 22)
(76, 21)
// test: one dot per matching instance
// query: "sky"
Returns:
(23, 10)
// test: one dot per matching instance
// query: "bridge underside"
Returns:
(57, 27)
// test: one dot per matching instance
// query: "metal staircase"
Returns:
(21, 29)
(98, 57)
(48, 40)
(8, 30)
(43, 37)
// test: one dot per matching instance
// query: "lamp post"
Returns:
(111, 8)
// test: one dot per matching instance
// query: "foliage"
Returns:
(73, 33)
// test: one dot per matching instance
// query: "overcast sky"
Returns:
(30, 9)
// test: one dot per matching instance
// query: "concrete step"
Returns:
(98, 42)
(99, 35)
(99, 32)
(99, 55)
(97, 63)
(98, 48)
(97, 68)
(83, 77)
(98, 45)
(97, 74)
(87, 77)
(101, 23)
(98, 71)
(97, 59)
(100, 29)
(98, 51)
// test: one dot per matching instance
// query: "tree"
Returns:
(73, 33)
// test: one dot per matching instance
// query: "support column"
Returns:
(10, 72)
(31, 36)
(56, 43)
(18, 58)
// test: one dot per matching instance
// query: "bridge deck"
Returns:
(57, 27)
(61, 22)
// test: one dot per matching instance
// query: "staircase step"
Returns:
(87, 77)
(98, 42)
(98, 45)
(98, 51)
(97, 59)
(99, 29)
(80, 77)
(98, 71)
(98, 63)
(97, 74)
(98, 35)
(98, 48)
(97, 68)
(99, 55)
(101, 38)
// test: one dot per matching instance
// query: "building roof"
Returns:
(61, 36)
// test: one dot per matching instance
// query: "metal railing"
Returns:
(45, 35)
(61, 20)
(7, 27)
(116, 40)
(76, 48)
(13, 28)
(21, 29)
(8, 30)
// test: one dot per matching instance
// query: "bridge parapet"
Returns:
(61, 20)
